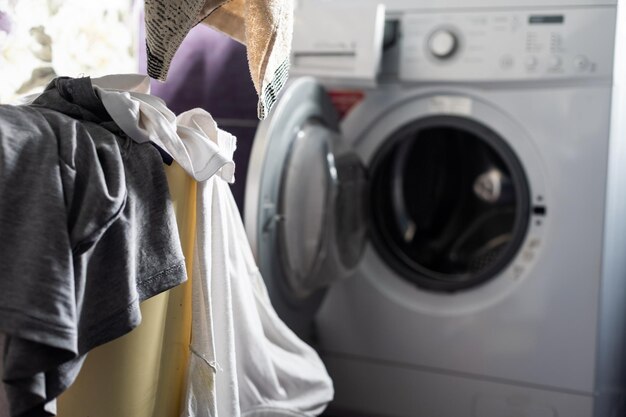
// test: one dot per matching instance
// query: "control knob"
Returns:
(443, 43)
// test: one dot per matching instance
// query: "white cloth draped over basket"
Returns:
(244, 361)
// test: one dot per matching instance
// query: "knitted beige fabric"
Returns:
(264, 26)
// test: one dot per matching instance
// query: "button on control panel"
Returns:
(555, 62)
(513, 45)
(531, 62)
(581, 63)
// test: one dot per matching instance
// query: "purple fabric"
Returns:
(210, 71)
(5, 22)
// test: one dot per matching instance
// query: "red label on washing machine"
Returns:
(345, 100)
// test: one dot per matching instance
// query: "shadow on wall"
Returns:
(210, 70)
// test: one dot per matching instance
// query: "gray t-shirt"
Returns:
(87, 231)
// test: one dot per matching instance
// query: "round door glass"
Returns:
(450, 203)
(322, 228)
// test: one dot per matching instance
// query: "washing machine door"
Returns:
(305, 207)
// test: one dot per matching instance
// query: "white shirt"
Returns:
(190, 139)
(244, 360)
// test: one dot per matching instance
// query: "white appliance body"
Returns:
(545, 335)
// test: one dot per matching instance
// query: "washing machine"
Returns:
(455, 246)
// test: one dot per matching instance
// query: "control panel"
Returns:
(508, 45)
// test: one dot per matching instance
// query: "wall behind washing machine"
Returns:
(210, 71)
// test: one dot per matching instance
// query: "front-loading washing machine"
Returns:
(456, 246)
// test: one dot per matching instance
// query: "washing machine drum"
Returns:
(449, 203)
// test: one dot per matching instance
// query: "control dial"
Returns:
(443, 43)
